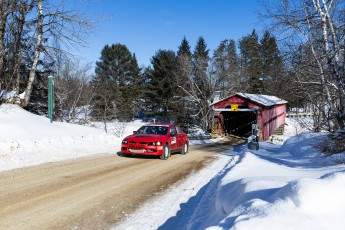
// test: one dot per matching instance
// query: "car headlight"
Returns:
(124, 142)
(158, 143)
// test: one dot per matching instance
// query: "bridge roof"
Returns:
(265, 100)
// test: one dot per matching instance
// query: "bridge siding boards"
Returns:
(271, 111)
(270, 119)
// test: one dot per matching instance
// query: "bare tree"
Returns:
(13, 23)
(67, 27)
(199, 99)
(29, 30)
(198, 94)
(72, 89)
(319, 25)
(39, 37)
(23, 8)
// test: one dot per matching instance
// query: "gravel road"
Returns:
(94, 192)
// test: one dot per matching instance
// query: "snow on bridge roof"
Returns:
(265, 100)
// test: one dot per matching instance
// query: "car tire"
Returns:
(128, 155)
(184, 150)
(166, 152)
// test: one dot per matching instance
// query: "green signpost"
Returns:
(50, 98)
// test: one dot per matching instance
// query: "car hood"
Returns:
(146, 138)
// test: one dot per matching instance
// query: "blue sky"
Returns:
(145, 26)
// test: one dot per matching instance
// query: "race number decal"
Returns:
(173, 140)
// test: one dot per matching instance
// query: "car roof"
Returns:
(159, 124)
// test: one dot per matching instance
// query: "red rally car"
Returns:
(156, 139)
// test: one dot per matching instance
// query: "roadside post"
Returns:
(50, 98)
(253, 140)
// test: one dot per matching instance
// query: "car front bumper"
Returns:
(147, 150)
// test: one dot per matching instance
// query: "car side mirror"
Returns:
(134, 132)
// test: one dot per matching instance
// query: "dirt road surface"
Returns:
(94, 192)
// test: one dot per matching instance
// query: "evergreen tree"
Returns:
(201, 86)
(39, 98)
(226, 66)
(117, 78)
(200, 64)
(130, 89)
(220, 67)
(184, 48)
(251, 62)
(162, 87)
(184, 57)
(272, 71)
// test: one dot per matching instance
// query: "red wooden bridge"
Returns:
(241, 113)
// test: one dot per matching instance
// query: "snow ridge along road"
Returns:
(94, 192)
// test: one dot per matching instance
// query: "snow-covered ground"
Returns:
(288, 186)
(27, 139)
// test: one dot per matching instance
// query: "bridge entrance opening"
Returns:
(239, 123)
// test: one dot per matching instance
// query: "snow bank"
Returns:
(27, 139)
(22, 125)
(276, 188)
(310, 203)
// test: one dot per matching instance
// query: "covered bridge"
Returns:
(240, 113)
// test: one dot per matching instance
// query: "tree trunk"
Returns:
(33, 69)
(24, 9)
(4, 12)
(340, 81)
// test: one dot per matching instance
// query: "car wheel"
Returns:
(128, 155)
(185, 148)
(166, 152)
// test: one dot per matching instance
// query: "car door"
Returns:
(179, 138)
(173, 138)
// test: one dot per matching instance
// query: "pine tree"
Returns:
(272, 66)
(117, 79)
(39, 98)
(251, 62)
(201, 86)
(226, 66)
(200, 64)
(162, 86)
(184, 48)
(129, 87)
(220, 67)
(184, 57)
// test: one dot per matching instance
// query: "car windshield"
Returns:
(159, 130)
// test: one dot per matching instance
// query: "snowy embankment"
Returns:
(27, 139)
(278, 187)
